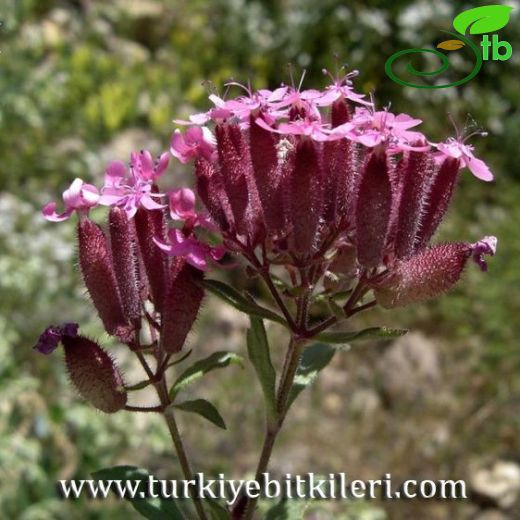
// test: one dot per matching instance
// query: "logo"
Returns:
(478, 21)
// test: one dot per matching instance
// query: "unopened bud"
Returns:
(99, 277)
(425, 275)
(181, 306)
(94, 374)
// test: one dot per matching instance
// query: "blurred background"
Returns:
(83, 82)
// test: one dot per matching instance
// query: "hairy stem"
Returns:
(169, 417)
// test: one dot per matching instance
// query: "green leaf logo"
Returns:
(481, 20)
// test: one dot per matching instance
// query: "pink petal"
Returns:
(49, 212)
(479, 169)
(148, 202)
(162, 164)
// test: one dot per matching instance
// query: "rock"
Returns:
(498, 484)
(409, 369)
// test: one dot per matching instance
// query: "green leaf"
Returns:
(258, 352)
(314, 359)
(239, 301)
(201, 367)
(151, 508)
(287, 510)
(203, 408)
(370, 333)
(481, 20)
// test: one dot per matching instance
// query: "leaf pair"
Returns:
(314, 358)
(200, 368)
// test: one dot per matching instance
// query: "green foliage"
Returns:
(204, 409)
(233, 297)
(313, 360)
(259, 355)
(365, 334)
(202, 367)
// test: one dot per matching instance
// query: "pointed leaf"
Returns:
(481, 20)
(219, 359)
(203, 408)
(258, 352)
(450, 45)
(151, 508)
(370, 333)
(239, 301)
(314, 359)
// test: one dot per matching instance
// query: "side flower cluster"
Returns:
(310, 178)
(130, 280)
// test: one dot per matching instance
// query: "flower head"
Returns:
(133, 187)
(456, 149)
(78, 197)
(196, 253)
(299, 175)
(194, 142)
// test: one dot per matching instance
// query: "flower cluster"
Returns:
(310, 177)
(131, 281)
(345, 197)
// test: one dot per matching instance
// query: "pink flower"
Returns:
(485, 246)
(182, 207)
(195, 252)
(305, 127)
(341, 88)
(374, 128)
(196, 141)
(132, 188)
(464, 153)
(144, 166)
(79, 197)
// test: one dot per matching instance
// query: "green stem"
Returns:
(167, 411)
(169, 417)
(286, 382)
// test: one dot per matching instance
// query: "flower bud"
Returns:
(181, 306)
(424, 276)
(150, 224)
(126, 265)
(99, 276)
(94, 374)
(373, 210)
